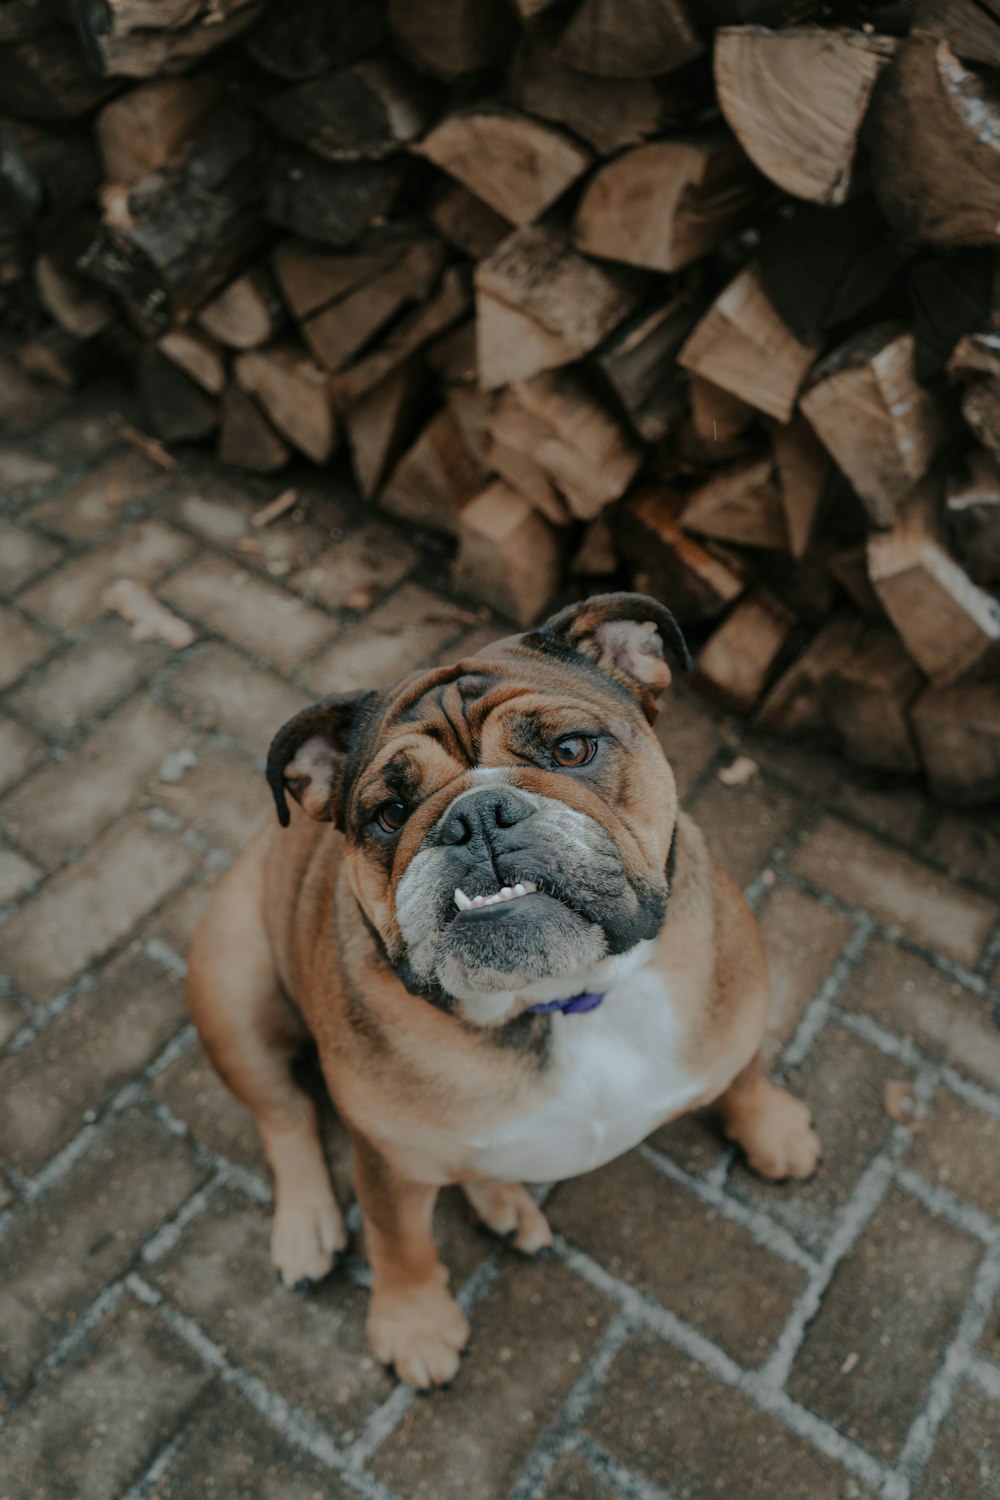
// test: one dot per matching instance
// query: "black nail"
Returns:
(303, 1284)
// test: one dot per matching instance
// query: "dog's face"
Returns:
(508, 819)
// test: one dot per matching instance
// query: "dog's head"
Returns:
(508, 819)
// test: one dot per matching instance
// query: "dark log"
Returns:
(304, 38)
(973, 510)
(146, 38)
(450, 38)
(246, 439)
(639, 362)
(949, 297)
(46, 78)
(177, 409)
(360, 113)
(330, 202)
(46, 172)
(630, 38)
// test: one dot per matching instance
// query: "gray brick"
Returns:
(22, 471)
(223, 796)
(19, 751)
(690, 733)
(22, 646)
(370, 559)
(744, 823)
(87, 679)
(957, 1148)
(802, 939)
(223, 691)
(402, 633)
(71, 596)
(573, 1478)
(17, 875)
(256, 615)
(23, 555)
(86, 509)
(966, 1458)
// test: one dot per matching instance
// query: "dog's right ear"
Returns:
(308, 755)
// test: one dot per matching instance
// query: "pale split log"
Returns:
(198, 356)
(359, 113)
(973, 511)
(970, 27)
(639, 362)
(740, 504)
(797, 704)
(246, 313)
(958, 731)
(466, 222)
(796, 100)
(881, 426)
(80, 308)
(294, 393)
(311, 279)
(380, 423)
(869, 698)
(434, 479)
(744, 653)
(948, 625)
(340, 331)
(517, 165)
(742, 345)
(246, 438)
(471, 409)
(558, 421)
(540, 304)
(148, 127)
(508, 555)
(717, 416)
(665, 204)
(681, 572)
(975, 366)
(630, 38)
(147, 39)
(177, 409)
(448, 304)
(608, 113)
(529, 480)
(804, 471)
(935, 142)
(451, 38)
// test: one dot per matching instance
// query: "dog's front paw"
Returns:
(509, 1210)
(779, 1140)
(306, 1238)
(420, 1334)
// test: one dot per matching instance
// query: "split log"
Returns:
(182, 231)
(797, 704)
(664, 204)
(294, 393)
(948, 625)
(697, 585)
(741, 505)
(958, 731)
(717, 416)
(342, 330)
(973, 510)
(739, 659)
(823, 266)
(309, 37)
(540, 305)
(360, 113)
(515, 164)
(311, 279)
(950, 297)
(970, 27)
(975, 363)
(508, 555)
(145, 38)
(596, 556)
(246, 438)
(556, 420)
(177, 409)
(471, 409)
(935, 154)
(742, 345)
(451, 38)
(608, 113)
(881, 426)
(45, 77)
(529, 480)
(45, 173)
(849, 567)
(434, 479)
(466, 222)
(198, 356)
(148, 127)
(453, 355)
(629, 38)
(639, 362)
(246, 313)
(380, 423)
(79, 308)
(870, 694)
(449, 304)
(332, 202)
(795, 100)
(804, 474)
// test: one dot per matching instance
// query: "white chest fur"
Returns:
(614, 1078)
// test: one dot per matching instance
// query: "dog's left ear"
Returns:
(624, 634)
(308, 755)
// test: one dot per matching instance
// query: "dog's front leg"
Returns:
(414, 1324)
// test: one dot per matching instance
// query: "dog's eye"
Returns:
(391, 816)
(575, 750)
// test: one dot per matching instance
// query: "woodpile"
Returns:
(695, 298)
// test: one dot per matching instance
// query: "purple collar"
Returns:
(576, 1005)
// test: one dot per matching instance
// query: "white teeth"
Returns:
(506, 893)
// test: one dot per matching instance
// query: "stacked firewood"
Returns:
(702, 298)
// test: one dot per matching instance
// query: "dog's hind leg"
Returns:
(771, 1125)
(251, 1033)
(509, 1210)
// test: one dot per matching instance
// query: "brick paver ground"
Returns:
(699, 1333)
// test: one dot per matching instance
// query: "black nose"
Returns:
(480, 814)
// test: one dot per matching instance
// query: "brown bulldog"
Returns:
(514, 954)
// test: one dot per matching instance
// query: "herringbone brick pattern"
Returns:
(699, 1333)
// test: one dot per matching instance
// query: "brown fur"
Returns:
(287, 950)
